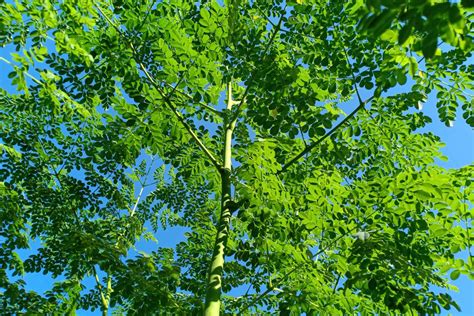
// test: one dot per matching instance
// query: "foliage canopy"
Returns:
(274, 133)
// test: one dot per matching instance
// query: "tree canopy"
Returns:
(282, 137)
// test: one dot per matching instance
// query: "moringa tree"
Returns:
(282, 137)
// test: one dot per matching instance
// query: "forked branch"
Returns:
(361, 105)
(166, 98)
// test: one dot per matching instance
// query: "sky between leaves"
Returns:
(459, 149)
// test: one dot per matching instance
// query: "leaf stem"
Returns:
(143, 185)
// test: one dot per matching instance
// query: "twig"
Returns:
(147, 14)
(202, 104)
(455, 88)
(132, 212)
(357, 109)
(24, 72)
(143, 184)
(353, 76)
(467, 224)
(79, 224)
(337, 282)
(182, 120)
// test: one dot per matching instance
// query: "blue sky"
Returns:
(459, 149)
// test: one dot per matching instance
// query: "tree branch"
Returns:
(165, 97)
(267, 47)
(103, 296)
(316, 143)
(202, 104)
(147, 14)
(357, 109)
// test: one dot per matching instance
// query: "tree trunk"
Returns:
(214, 283)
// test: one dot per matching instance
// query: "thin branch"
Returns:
(316, 143)
(380, 127)
(302, 135)
(170, 105)
(469, 246)
(266, 16)
(79, 224)
(353, 76)
(147, 14)
(358, 94)
(250, 284)
(300, 129)
(106, 178)
(56, 175)
(423, 57)
(314, 38)
(103, 296)
(357, 109)
(195, 137)
(73, 147)
(267, 47)
(24, 72)
(337, 282)
(173, 89)
(64, 96)
(143, 184)
(202, 104)
(132, 212)
(455, 88)
(86, 75)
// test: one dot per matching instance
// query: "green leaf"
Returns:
(455, 274)
(404, 33)
(423, 195)
(467, 3)
(430, 43)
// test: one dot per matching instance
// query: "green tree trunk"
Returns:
(214, 284)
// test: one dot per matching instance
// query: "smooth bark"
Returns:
(214, 285)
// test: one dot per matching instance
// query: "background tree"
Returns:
(228, 120)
